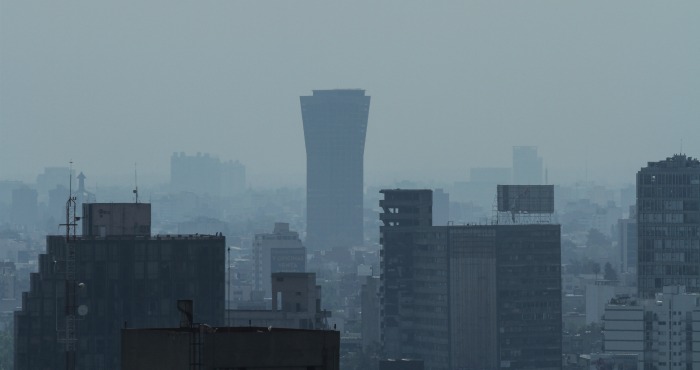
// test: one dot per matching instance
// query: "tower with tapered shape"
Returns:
(335, 126)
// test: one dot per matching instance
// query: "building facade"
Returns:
(471, 297)
(230, 348)
(627, 240)
(279, 251)
(663, 333)
(296, 304)
(668, 224)
(370, 324)
(90, 287)
(335, 126)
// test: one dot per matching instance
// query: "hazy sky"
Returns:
(454, 84)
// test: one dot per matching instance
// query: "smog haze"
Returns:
(600, 87)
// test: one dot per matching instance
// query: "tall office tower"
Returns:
(279, 251)
(472, 297)
(115, 275)
(668, 222)
(335, 126)
(527, 166)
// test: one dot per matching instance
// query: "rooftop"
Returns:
(339, 92)
(677, 161)
(143, 237)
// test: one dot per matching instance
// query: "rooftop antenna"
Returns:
(136, 185)
(681, 146)
(71, 218)
(69, 335)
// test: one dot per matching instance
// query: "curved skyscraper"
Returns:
(335, 125)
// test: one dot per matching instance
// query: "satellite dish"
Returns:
(82, 310)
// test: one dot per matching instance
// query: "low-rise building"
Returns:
(296, 304)
(664, 333)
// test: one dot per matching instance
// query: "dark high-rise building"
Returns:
(115, 275)
(668, 223)
(335, 125)
(468, 297)
(250, 348)
(527, 166)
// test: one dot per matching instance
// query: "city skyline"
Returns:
(451, 77)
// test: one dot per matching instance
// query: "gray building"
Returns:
(206, 174)
(24, 211)
(472, 297)
(230, 348)
(627, 240)
(369, 300)
(335, 126)
(8, 287)
(441, 207)
(279, 251)
(89, 287)
(296, 304)
(527, 166)
(659, 333)
(668, 222)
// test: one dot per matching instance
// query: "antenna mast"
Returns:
(136, 185)
(69, 337)
(71, 218)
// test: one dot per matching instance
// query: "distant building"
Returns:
(8, 290)
(662, 332)
(247, 348)
(206, 175)
(56, 210)
(462, 296)
(441, 207)
(6, 189)
(8, 280)
(52, 177)
(82, 195)
(668, 222)
(279, 251)
(25, 207)
(116, 275)
(335, 126)
(480, 187)
(627, 240)
(296, 304)
(369, 299)
(527, 166)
